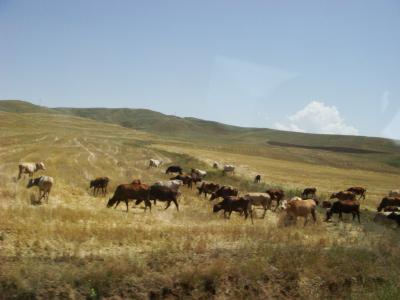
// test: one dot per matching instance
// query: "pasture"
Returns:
(74, 247)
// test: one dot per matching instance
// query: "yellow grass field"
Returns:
(76, 248)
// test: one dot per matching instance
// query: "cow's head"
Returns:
(40, 166)
(33, 182)
(92, 183)
(136, 182)
(213, 196)
(111, 202)
(217, 207)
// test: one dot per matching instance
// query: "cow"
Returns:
(228, 169)
(155, 163)
(186, 180)
(300, 208)
(173, 184)
(224, 191)
(44, 183)
(234, 203)
(346, 207)
(259, 199)
(257, 179)
(196, 178)
(394, 193)
(388, 201)
(208, 188)
(200, 173)
(343, 196)
(309, 193)
(100, 183)
(276, 195)
(383, 218)
(163, 194)
(359, 191)
(174, 169)
(215, 165)
(30, 168)
(129, 192)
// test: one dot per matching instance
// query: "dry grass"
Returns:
(74, 247)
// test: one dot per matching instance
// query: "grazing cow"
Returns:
(224, 191)
(215, 165)
(208, 188)
(391, 209)
(388, 201)
(99, 183)
(257, 179)
(259, 199)
(44, 183)
(343, 196)
(395, 217)
(394, 193)
(196, 178)
(30, 168)
(130, 192)
(359, 191)
(276, 195)
(199, 173)
(326, 204)
(346, 207)
(228, 169)
(301, 208)
(155, 163)
(174, 169)
(163, 194)
(234, 203)
(172, 184)
(186, 179)
(309, 193)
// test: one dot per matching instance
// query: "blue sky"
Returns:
(313, 66)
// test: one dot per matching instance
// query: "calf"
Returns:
(257, 179)
(234, 203)
(276, 195)
(344, 206)
(344, 196)
(186, 180)
(130, 192)
(30, 168)
(155, 163)
(259, 199)
(228, 169)
(388, 201)
(174, 169)
(99, 183)
(208, 188)
(309, 193)
(215, 165)
(45, 183)
(224, 191)
(359, 191)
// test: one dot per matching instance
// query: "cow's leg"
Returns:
(277, 204)
(229, 214)
(117, 204)
(358, 216)
(168, 204)
(127, 206)
(340, 216)
(265, 211)
(147, 203)
(176, 204)
(313, 215)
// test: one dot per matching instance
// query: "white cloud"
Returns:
(317, 117)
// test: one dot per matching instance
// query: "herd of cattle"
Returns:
(346, 202)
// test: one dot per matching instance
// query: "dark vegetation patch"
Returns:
(329, 148)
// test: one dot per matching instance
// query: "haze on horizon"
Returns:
(314, 66)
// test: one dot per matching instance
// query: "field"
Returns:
(76, 248)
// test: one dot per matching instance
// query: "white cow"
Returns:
(30, 168)
(228, 169)
(174, 184)
(216, 165)
(44, 183)
(155, 163)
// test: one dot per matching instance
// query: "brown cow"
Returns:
(276, 195)
(301, 208)
(257, 179)
(343, 196)
(224, 191)
(208, 188)
(388, 201)
(346, 207)
(163, 194)
(186, 179)
(309, 193)
(359, 191)
(99, 183)
(130, 192)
